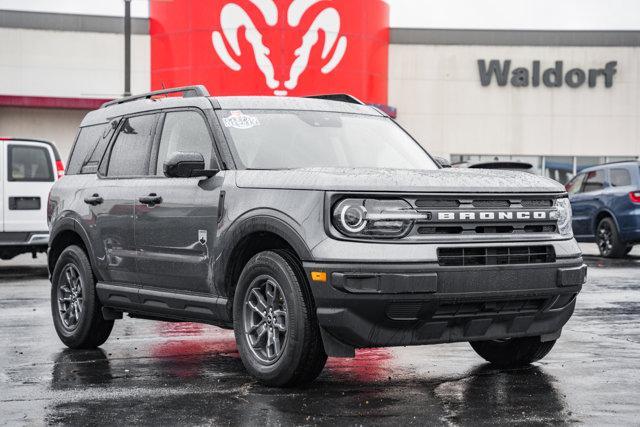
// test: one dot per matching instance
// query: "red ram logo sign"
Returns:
(272, 47)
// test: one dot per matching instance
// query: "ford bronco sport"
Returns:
(311, 226)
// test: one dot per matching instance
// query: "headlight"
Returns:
(563, 215)
(374, 218)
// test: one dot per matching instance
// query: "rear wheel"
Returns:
(75, 308)
(608, 239)
(275, 323)
(514, 351)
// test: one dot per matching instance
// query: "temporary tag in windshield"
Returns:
(238, 120)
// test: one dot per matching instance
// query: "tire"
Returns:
(287, 303)
(512, 352)
(628, 249)
(88, 329)
(608, 239)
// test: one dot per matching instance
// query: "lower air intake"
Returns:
(496, 255)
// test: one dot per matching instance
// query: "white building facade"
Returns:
(560, 100)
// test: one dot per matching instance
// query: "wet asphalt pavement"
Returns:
(182, 373)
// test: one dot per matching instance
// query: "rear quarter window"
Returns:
(87, 143)
(620, 177)
(29, 164)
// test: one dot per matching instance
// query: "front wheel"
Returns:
(75, 308)
(275, 324)
(512, 352)
(608, 239)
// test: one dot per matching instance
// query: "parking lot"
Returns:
(170, 373)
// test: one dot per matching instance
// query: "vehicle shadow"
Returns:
(22, 272)
(206, 384)
(504, 396)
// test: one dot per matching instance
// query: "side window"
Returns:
(88, 138)
(620, 177)
(574, 186)
(184, 131)
(29, 164)
(130, 151)
(594, 181)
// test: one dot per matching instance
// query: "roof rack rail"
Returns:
(617, 161)
(187, 92)
(341, 97)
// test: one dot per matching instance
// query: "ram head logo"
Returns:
(235, 21)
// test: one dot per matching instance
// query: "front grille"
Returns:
(437, 203)
(489, 307)
(489, 203)
(506, 255)
(483, 214)
(537, 203)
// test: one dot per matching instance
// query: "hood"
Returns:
(398, 180)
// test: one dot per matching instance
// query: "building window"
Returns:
(585, 162)
(559, 168)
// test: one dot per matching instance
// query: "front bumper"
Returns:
(395, 304)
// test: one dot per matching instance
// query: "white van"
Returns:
(28, 170)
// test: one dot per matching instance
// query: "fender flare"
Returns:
(263, 221)
(71, 224)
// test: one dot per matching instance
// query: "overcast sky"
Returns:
(493, 14)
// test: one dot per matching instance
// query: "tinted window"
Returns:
(184, 131)
(574, 186)
(87, 140)
(130, 151)
(28, 163)
(91, 165)
(594, 181)
(620, 177)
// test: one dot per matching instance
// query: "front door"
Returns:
(176, 218)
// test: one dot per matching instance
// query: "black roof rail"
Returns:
(187, 92)
(341, 97)
(618, 161)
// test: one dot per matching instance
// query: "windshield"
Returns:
(284, 139)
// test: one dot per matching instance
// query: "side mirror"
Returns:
(444, 163)
(183, 164)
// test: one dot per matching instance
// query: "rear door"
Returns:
(110, 198)
(30, 173)
(175, 234)
(617, 198)
(587, 203)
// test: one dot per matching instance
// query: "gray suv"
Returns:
(311, 226)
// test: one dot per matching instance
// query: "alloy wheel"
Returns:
(70, 298)
(265, 319)
(604, 237)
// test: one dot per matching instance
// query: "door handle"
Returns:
(94, 200)
(151, 199)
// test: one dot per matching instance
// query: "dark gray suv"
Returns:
(311, 226)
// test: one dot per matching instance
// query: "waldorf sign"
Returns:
(557, 75)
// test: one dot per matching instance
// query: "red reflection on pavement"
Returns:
(370, 364)
(185, 358)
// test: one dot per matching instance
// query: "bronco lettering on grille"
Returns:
(494, 216)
